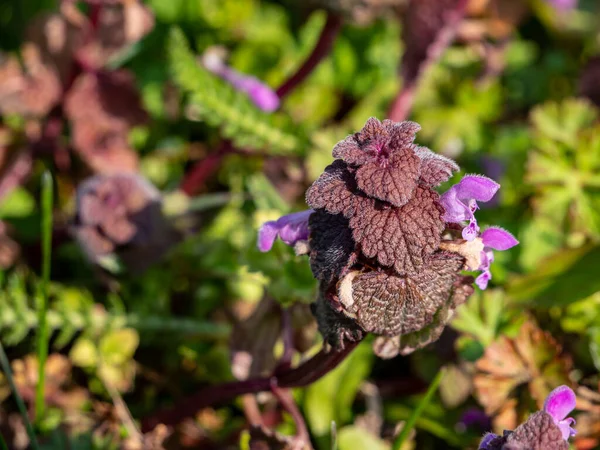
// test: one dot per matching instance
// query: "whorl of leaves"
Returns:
(374, 241)
(382, 183)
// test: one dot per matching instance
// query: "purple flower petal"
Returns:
(498, 239)
(476, 187)
(294, 227)
(566, 429)
(471, 231)
(455, 211)
(483, 279)
(260, 93)
(487, 439)
(560, 402)
(290, 228)
(266, 236)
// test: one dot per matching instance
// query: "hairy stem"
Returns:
(308, 372)
(402, 105)
(324, 44)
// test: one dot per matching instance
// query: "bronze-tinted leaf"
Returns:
(388, 167)
(435, 169)
(390, 305)
(539, 432)
(118, 26)
(388, 347)
(391, 180)
(102, 108)
(336, 192)
(533, 360)
(33, 91)
(400, 237)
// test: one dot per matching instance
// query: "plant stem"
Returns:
(330, 31)
(410, 423)
(42, 307)
(287, 401)
(402, 105)
(20, 404)
(308, 372)
(204, 168)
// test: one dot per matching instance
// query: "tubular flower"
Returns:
(290, 228)
(380, 243)
(548, 429)
(494, 238)
(261, 94)
(460, 201)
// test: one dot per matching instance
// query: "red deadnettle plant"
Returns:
(387, 249)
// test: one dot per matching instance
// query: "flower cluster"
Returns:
(383, 243)
(460, 204)
(548, 429)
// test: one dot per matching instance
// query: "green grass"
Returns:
(410, 423)
(42, 297)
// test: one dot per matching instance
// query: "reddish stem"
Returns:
(308, 372)
(402, 105)
(287, 401)
(204, 168)
(324, 44)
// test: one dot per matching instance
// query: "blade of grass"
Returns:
(42, 297)
(410, 423)
(20, 404)
(3, 445)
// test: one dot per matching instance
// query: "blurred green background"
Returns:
(515, 98)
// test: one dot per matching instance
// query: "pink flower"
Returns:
(460, 201)
(559, 403)
(494, 238)
(260, 93)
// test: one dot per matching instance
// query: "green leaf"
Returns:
(353, 437)
(330, 398)
(565, 277)
(563, 121)
(594, 334)
(117, 347)
(19, 203)
(84, 353)
(480, 316)
(412, 420)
